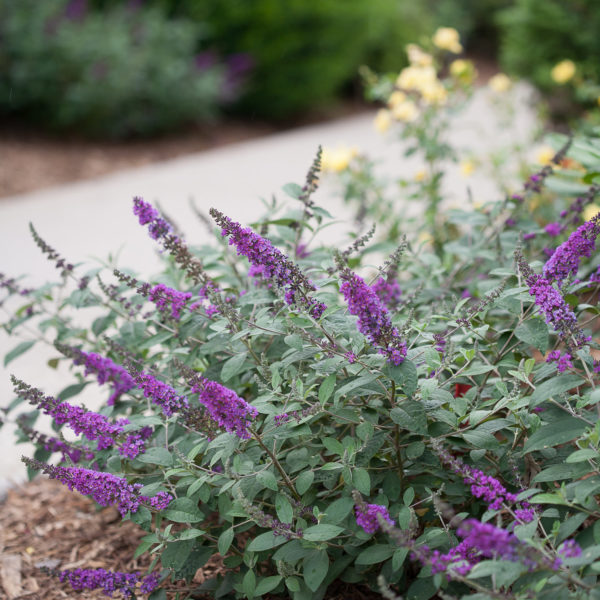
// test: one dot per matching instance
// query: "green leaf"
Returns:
(293, 584)
(333, 446)
(266, 541)
(504, 571)
(183, 510)
(224, 541)
(285, 512)
(72, 390)
(268, 480)
(362, 481)
(190, 534)
(18, 350)
(304, 481)
(562, 471)
(249, 584)
(375, 554)
(293, 341)
(398, 558)
(156, 456)
(582, 455)
(176, 553)
(233, 366)
(293, 190)
(326, 388)
(267, 584)
(533, 332)
(338, 510)
(410, 415)
(554, 434)
(322, 532)
(554, 387)
(315, 569)
(403, 375)
(548, 499)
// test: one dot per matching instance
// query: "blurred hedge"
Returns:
(537, 34)
(305, 51)
(126, 71)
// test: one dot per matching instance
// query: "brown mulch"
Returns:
(43, 524)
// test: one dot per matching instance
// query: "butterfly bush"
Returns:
(412, 410)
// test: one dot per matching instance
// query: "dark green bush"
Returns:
(305, 51)
(119, 73)
(537, 34)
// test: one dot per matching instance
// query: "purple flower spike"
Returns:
(160, 393)
(166, 298)
(565, 260)
(271, 263)
(389, 291)
(373, 318)
(553, 229)
(108, 581)
(106, 371)
(563, 362)
(148, 215)
(225, 407)
(367, 519)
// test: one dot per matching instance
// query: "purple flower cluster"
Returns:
(483, 486)
(92, 425)
(105, 488)
(225, 407)
(551, 303)
(160, 393)
(275, 266)
(553, 229)
(166, 298)
(565, 260)
(52, 444)
(108, 581)
(367, 517)
(563, 361)
(388, 291)
(373, 318)
(148, 215)
(106, 371)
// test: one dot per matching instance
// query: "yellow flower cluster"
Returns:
(338, 159)
(500, 83)
(463, 70)
(563, 72)
(447, 38)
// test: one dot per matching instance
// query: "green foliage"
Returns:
(305, 51)
(119, 73)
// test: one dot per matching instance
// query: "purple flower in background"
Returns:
(274, 264)
(166, 298)
(225, 407)
(108, 581)
(373, 318)
(569, 549)
(553, 229)
(489, 541)
(529, 236)
(205, 60)
(148, 215)
(563, 361)
(367, 518)
(76, 10)
(106, 371)
(389, 291)
(565, 259)
(160, 393)
(510, 222)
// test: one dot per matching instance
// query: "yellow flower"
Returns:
(563, 71)
(337, 160)
(590, 211)
(421, 175)
(434, 93)
(447, 38)
(500, 83)
(417, 56)
(406, 111)
(467, 167)
(383, 120)
(414, 78)
(545, 155)
(464, 70)
(396, 98)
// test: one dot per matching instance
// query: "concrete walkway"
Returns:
(87, 221)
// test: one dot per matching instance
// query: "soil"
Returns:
(44, 525)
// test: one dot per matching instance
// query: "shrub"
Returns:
(300, 45)
(277, 401)
(124, 72)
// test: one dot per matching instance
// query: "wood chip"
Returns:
(10, 573)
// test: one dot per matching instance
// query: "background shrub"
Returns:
(118, 73)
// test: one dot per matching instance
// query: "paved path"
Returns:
(86, 221)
